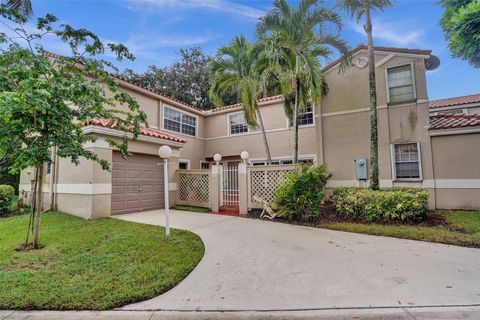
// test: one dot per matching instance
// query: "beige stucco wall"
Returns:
(457, 164)
(279, 136)
(346, 124)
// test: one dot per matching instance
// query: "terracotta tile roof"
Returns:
(156, 92)
(150, 132)
(377, 48)
(453, 121)
(455, 101)
(267, 99)
(116, 76)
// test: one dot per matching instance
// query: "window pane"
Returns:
(188, 130)
(305, 118)
(400, 84)
(407, 164)
(237, 124)
(179, 122)
(171, 125)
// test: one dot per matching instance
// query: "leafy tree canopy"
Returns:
(187, 80)
(45, 102)
(461, 25)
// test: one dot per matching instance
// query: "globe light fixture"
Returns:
(244, 155)
(217, 157)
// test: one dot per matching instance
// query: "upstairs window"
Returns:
(237, 123)
(401, 84)
(304, 118)
(407, 161)
(180, 122)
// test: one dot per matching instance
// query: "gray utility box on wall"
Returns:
(361, 168)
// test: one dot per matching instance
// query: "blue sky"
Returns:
(155, 30)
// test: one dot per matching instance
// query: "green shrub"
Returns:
(381, 205)
(6, 196)
(302, 194)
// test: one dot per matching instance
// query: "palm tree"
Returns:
(358, 8)
(24, 7)
(237, 70)
(299, 35)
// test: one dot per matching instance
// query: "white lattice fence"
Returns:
(265, 180)
(193, 187)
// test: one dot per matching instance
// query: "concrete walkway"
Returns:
(251, 265)
(445, 313)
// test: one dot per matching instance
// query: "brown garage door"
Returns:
(137, 183)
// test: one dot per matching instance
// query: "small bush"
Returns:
(381, 205)
(6, 196)
(301, 196)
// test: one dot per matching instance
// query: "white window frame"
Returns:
(394, 162)
(229, 128)
(412, 69)
(182, 112)
(184, 161)
(303, 125)
(202, 162)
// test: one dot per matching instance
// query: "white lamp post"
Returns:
(165, 152)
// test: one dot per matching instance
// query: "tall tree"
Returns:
(23, 7)
(461, 25)
(300, 35)
(187, 80)
(45, 103)
(358, 9)
(236, 70)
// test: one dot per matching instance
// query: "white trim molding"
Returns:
(453, 131)
(457, 183)
(427, 184)
(83, 188)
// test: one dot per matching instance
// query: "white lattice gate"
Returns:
(229, 187)
(193, 187)
(263, 182)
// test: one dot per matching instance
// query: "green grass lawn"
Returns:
(91, 264)
(462, 228)
(191, 208)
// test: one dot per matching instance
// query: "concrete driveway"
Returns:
(260, 265)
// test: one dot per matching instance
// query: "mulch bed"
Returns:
(328, 215)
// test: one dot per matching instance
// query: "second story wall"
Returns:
(222, 138)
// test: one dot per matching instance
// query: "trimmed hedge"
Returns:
(301, 197)
(6, 196)
(381, 205)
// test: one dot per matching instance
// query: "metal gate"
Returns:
(229, 188)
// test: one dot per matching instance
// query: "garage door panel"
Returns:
(137, 183)
(117, 189)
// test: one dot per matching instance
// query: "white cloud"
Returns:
(393, 33)
(147, 46)
(215, 5)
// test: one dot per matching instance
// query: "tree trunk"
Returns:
(264, 136)
(374, 171)
(295, 112)
(36, 229)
